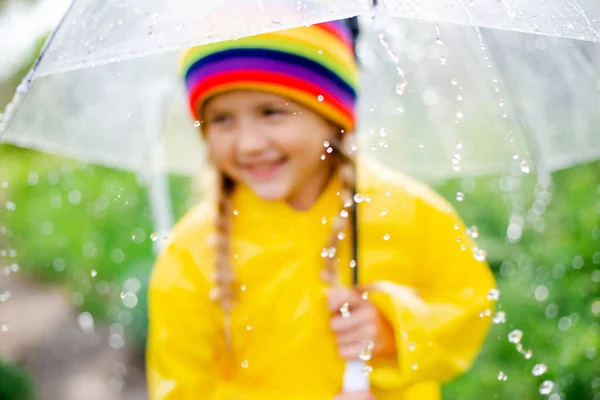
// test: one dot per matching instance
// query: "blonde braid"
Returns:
(226, 288)
(346, 169)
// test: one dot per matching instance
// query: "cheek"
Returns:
(220, 150)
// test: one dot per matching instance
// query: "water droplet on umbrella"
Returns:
(473, 232)
(539, 369)
(367, 369)
(358, 198)
(443, 59)
(196, 124)
(4, 295)
(525, 167)
(454, 82)
(501, 103)
(243, 288)
(459, 97)
(421, 145)
(323, 157)
(352, 263)
(248, 327)
(499, 318)
(515, 336)
(365, 296)
(93, 273)
(504, 114)
(245, 364)
(400, 109)
(324, 220)
(320, 97)
(326, 144)
(460, 196)
(439, 41)
(382, 132)
(383, 212)
(546, 387)
(4, 327)
(348, 203)
(528, 354)
(463, 247)
(345, 310)
(502, 376)
(412, 346)
(154, 236)
(372, 108)
(414, 366)
(320, 51)
(341, 235)
(493, 294)
(459, 145)
(386, 236)
(344, 214)
(495, 80)
(497, 89)
(400, 87)
(459, 114)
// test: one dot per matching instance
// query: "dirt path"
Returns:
(67, 363)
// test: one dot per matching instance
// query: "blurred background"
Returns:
(77, 243)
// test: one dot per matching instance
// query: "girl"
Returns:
(253, 297)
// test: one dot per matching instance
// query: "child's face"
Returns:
(269, 143)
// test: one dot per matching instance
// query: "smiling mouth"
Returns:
(264, 171)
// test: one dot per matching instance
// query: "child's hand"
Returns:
(357, 323)
(355, 396)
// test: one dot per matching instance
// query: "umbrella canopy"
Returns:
(477, 100)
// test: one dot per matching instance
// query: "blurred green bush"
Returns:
(90, 228)
(15, 383)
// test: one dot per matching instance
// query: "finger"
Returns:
(358, 318)
(355, 396)
(337, 296)
(363, 336)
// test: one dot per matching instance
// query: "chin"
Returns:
(268, 193)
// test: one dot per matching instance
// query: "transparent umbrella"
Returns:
(448, 87)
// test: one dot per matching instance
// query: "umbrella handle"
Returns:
(354, 378)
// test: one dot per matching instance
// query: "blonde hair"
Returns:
(225, 280)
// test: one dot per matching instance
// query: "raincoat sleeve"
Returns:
(437, 323)
(180, 354)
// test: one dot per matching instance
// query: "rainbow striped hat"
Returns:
(314, 66)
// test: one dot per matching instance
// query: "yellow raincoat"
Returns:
(429, 286)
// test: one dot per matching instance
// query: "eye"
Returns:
(219, 118)
(273, 111)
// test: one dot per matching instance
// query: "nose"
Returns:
(250, 140)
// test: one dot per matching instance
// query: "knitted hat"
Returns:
(314, 66)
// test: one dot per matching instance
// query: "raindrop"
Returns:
(358, 198)
(344, 214)
(479, 254)
(4, 327)
(539, 369)
(459, 145)
(324, 220)
(459, 114)
(245, 364)
(463, 247)
(326, 144)
(454, 81)
(345, 310)
(365, 354)
(504, 114)
(386, 236)
(443, 59)
(493, 294)
(515, 156)
(528, 354)
(502, 376)
(320, 98)
(372, 108)
(382, 132)
(525, 167)
(341, 235)
(499, 318)
(196, 124)
(546, 387)
(400, 109)
(459, 97)
(367, 369)
(460, 196)
(415, 366)
(352, 263)
(473, 232)
(320, 51)
(365, 296)
(412, 346)
(154, 236)
(323, 157)
(421, 145)
(4, 296)
(501, 103)
(10, 206)
(243, 288)
(248, 327)
(94, 273)
(235, 212)
(383, 212)
(439, 41)
(497, 89)
(515, 336)
(400, 87)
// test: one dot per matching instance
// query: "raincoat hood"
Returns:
(420, 276)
